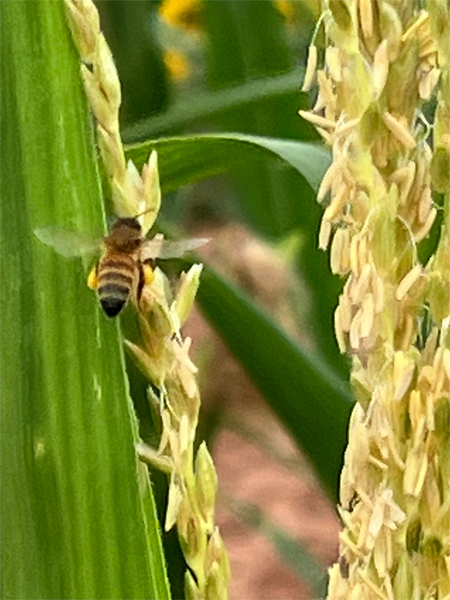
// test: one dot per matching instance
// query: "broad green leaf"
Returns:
(185, 160)
(78, 520)
(205, 105)
(189, 159)
(292, 552)
(311, 399)
(266, 196)
(246, 39)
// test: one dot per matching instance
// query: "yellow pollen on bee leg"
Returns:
(92, 279)
(149, 274)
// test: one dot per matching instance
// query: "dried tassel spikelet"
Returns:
(326, 93)
(380, 69)
(423, 18)
(407, 282)
(428, 82)
(310, 68)
(422, 233)
(381, 59)
(332, 59)
(317, 120)
(324, 234)
(339, 254)
(366, 18)
(399, 130)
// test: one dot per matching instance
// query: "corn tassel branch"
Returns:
(382, 61)
(163, 355)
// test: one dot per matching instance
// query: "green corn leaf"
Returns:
(204, 105)
(267, 195)
(78, 518)
(312, 401)
(189, 159)
(186, 160)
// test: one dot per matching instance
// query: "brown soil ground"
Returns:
(292, 501)
(256, 460)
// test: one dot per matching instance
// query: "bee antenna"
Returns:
(144, 212)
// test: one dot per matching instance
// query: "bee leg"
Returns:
(92, 278)
(146, 277)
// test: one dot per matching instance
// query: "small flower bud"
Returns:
(84, 25)
(144, 362)
(380, 69)
(173, 504)
(217, 554)
(341, 14)
(186, 292)
(159, 320)
(216, 584)
(398, 129)
(151, 191)
(192, 539)
(404, 368)
(191, 590)
(178, 400)
(390, 29)
(106, 71)
(132, 189)
(310, 68)
(206, 484)
(403, 580)
(112, 154)
(98, 102)
(152, 457)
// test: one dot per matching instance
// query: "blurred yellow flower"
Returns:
(292, 10)
(177, 64)
(182, 13)
(286, 8)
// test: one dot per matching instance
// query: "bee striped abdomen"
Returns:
(115, 277)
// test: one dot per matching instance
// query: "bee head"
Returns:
(125, 235)
(130, 222)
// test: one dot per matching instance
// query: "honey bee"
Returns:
(125, 264)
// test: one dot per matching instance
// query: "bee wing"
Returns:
(158, 247)
(68, 243)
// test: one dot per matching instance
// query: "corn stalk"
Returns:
(77, 512)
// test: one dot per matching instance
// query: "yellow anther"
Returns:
(149, 274)
(92, 279)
